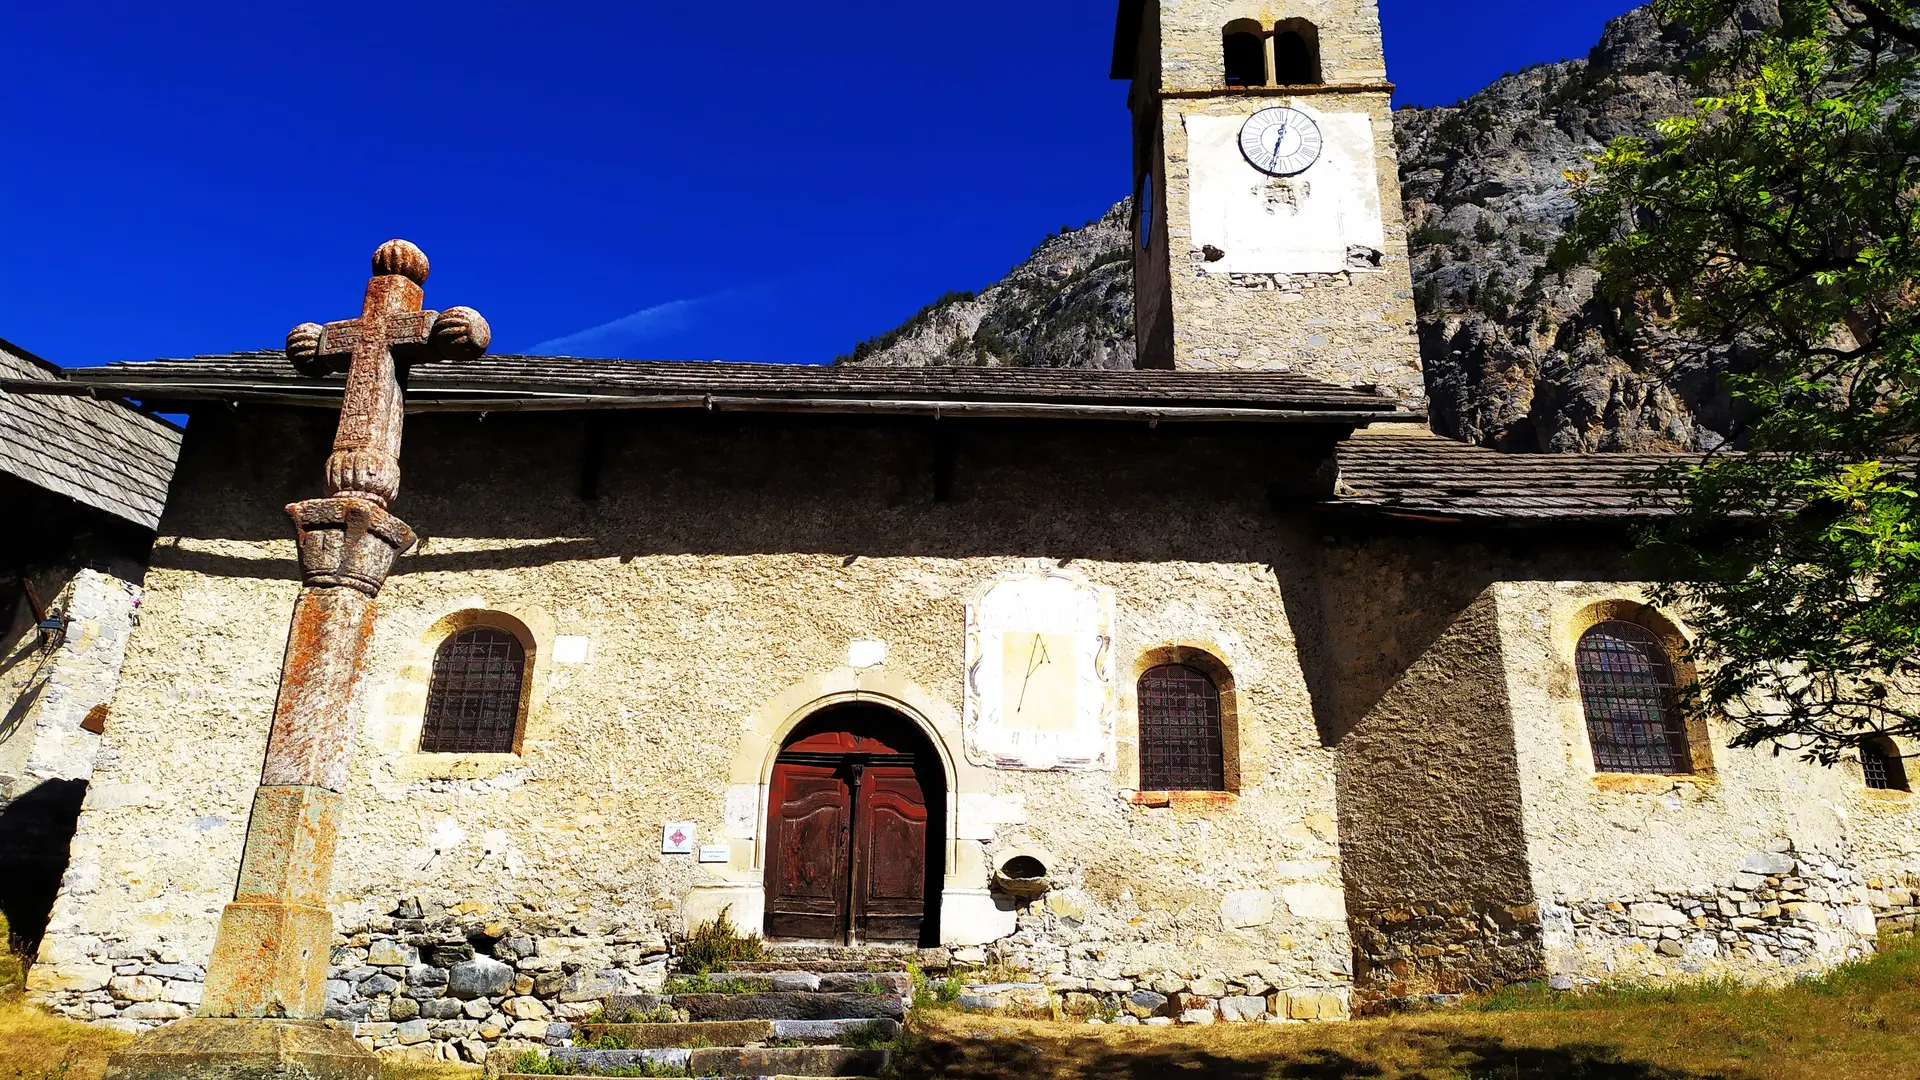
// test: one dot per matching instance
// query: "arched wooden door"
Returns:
(855, 831)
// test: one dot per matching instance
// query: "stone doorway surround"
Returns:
(970, 914)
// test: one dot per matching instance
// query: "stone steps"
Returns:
(809, 1061)
(831, 982)
(831, 958)
(803, 1013)
(743, 1033)
(798, 1005)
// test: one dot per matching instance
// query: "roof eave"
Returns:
(478, 398)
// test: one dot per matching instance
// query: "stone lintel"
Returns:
(269, 961)
(217, 1049)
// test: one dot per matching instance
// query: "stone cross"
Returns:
(270, 957)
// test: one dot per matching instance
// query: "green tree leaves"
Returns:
(1773, 235)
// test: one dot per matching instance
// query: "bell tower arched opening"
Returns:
(856, 824)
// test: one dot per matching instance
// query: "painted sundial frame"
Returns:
(1062, 625)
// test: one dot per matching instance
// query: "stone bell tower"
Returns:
(1269, 234)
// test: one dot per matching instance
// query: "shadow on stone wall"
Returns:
(36, 830)
(1413, 691)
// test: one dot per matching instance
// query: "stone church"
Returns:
(1220, 681)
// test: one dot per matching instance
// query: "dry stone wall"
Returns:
(1755, 866)
(1782, 908)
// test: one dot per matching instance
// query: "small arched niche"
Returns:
(1245, 43)
(1296, 53)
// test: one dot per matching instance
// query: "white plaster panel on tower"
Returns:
(1303, 224)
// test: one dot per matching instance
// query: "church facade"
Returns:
(1219, 690)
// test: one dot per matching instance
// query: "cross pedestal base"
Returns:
(201, 1049)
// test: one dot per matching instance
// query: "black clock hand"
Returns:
(1035, 657)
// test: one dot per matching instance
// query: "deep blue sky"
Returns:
(198, 177)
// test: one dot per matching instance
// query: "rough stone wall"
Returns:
(1413, 688)
(50, 684)
(1757, 866)
(725, 563)
(1350, 42)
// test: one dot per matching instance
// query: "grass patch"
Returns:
(35, 1046)
(438, 1070)
(1860, 1022)
(13, 960)
(931, 993)
(868, 1037)
(713, 946)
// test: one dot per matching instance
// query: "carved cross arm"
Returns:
(455, 335)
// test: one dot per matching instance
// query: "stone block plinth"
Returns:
(269, 960)
(202, 1049)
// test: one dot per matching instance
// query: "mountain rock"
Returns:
(1070, 304)
(1518, 353)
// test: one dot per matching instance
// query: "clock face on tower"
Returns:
(1281, 141)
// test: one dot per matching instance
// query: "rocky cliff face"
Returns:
(1518, 355)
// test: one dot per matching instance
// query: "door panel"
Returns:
(890, 855)
(855, 831)
(810, 812)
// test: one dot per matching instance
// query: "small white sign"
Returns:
(866, 654)
(676, 838)
(715, 853)
(572, 650)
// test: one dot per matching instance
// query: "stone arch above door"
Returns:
(969, 913)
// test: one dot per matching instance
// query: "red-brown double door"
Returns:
(853, 844)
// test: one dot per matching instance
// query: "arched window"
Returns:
(1246, 55)
(1633, 714)
(1180, 740)
(1296, 53)
(1886, 770)
(473, 704)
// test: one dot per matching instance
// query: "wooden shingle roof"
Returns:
(509, 383)
(1426, 476)
(102, 454)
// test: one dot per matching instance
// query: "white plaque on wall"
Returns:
(677, 838)
(1304, 224)
(1039, 691)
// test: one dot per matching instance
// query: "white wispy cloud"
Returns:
(608, 339)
